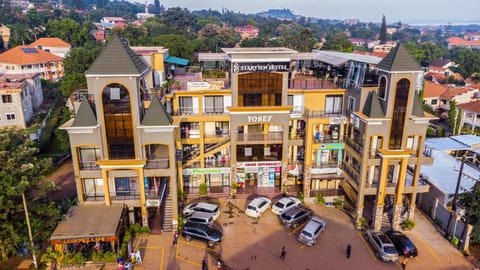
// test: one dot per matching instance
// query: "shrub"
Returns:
(407, 224)
(137, 228)
(73, 258)
(338, 202)
(202, 189)
(319, 199)
(50, 255)
(362, 223)
(301, 196)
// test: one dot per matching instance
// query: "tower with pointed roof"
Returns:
(122, 139)
(385, 138)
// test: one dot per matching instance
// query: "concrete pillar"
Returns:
(377, 217)
(397, 211)
(284, 174)
(411, 211)
(359, 217)
(307, 181)
(106, 187)
(143, 200)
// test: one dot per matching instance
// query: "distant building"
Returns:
(110, 22)
(99, 35)
(472, 36)
(247, 31)
(20, 96)
(470, 117)
(53, 45)
(455, 42)
(26, 59)
(5, 34)
(385, 47)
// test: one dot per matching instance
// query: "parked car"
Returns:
(382, 246)
(312, 230)
(199, 217)
(257, 207)
(284, 204)
(404, 245)
(202, 207)
(295, 216)
(202, 232)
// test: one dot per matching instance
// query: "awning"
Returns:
(176, 60)
(89, 223)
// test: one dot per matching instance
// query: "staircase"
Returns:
(167, 211)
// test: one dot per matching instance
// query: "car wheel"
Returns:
(188, 238)
(377, 254)
(211, 243)
(294, 225)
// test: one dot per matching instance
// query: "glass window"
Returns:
(7, 98)
(214, 104)
(333, 104)
(398, 117)
(186, 105)
(10, 116)
(351, 103)
(382, 88)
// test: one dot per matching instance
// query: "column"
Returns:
(143, 202)
(106, 187)
(398, 204)
(380, 197)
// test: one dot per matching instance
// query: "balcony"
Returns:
(125, 195)
(259, 137)
(162, 163)
(357, 146)
(327, 192)
(327, 139)
(323, 114)
(311, 82)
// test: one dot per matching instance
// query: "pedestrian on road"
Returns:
(204, 264)
(175, 238)
(349, 251)
(283, 253)
(404, 263)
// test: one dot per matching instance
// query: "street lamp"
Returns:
(23, 168)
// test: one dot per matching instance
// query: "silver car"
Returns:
(200, 217)
(312, 230)
(295, 216)
(382, 246)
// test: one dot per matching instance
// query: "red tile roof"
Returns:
(19, 56)
(50, 42)
(432, 89)
(473, 106)
(455, 91)
(461, 41)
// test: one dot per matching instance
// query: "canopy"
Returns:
(176, 60)
(89, 223)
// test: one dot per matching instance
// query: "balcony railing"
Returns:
(328, 139)
(354, 144)
(163, 163)
(327, 165)
(327, 192)
(88, 165)
(315, 83)
(323, 114)
(125, 195)
(259, 137)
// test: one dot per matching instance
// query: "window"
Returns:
(214, 104)
(186, 105)
(290, 100)
(10, 116)
(252, 99)
(434, 102)
(398, 117)
(382, 88)
(351, 103)
(333, 104)
(7, 99)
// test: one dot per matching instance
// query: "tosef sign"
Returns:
(260, 67)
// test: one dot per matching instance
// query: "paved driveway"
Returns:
(250, 243)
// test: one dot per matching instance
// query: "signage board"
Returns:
(261, 67)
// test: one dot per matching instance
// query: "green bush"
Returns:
(338, 202)
(362, 223)
(139, 229)
(407, 224)
(107, 257)
(301, 196)
(319, 199)
(50, 255)
(202, 189)
(73, 258)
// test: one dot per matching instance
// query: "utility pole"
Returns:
(29, 230)
(453, 211)
(468, 212)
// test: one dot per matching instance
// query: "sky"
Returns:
(405, 11)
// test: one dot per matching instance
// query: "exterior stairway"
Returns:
(168, 212)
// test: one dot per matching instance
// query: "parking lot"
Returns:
(250, 243)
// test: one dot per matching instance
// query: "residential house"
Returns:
(247, 31)
(455, 42)
(5, 34)
(27, 59)
(21, 96)
(460, 95)
(432, 93)
(472, 36)
(470, 118)
(110, 22)
(53, 45)
(384, 47)
(99, 35)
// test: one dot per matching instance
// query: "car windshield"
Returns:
(286, 217)
(251, 207)
(279, 205)
(390, 250)
(211, 231)
(306, 234)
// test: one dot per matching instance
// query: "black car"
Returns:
(404, 245)
(295, 216)
(202, 232)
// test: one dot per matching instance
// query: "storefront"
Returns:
(259, 174)
(217, 179)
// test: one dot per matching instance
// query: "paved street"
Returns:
(255, 244)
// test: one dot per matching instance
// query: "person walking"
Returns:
(404, 263)
(283, 253)
(175, 238)
(349, 251)
(204, 264)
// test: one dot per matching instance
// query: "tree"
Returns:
(22, 172)
(338, 42)
(180, 20)
(77, 61)
(452, 117)
(383, 31)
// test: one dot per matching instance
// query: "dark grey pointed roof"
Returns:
(372, 107)
(85, 116)
(156, 115)
(117, 59)
(417, 109)
(399, 59)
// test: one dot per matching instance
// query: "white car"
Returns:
(257, 207)
(284, 204)
(209, 208)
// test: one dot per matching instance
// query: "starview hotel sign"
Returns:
(260, 67)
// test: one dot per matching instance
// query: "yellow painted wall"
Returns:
(158, 62)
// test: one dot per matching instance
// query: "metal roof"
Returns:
(176, 60)
(212, 57)
(340, 58)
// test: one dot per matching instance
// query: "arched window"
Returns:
(117, 115)
(382, 88)
(399, 113)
